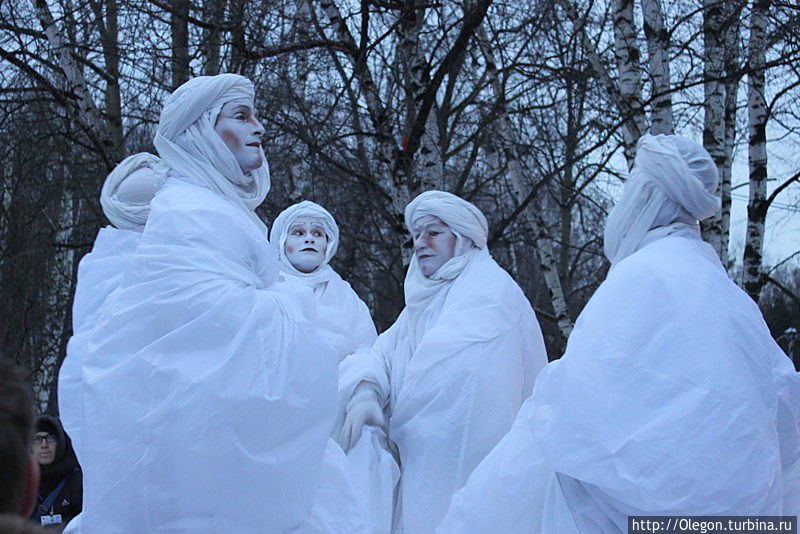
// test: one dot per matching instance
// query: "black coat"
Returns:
(69, 501)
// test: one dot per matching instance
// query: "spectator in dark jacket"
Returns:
(61, 487)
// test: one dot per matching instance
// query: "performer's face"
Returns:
(434, 243)
(306, 244)
(239, 128)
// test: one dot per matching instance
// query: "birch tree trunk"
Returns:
(632, 117)
(714, 107)
(427, 171)
(657, 38)
(753, 276)
(548, 261)
(626, 50)
(297, 81)
(398, 165)
(386, 152)
(87, 114)
(64, 274)
(732, 27)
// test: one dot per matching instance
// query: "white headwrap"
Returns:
(128, 190)
(280, 230)
(462, 217)
(672, 185)
(471, 229)
(187, 143)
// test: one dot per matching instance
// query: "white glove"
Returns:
(364, 408)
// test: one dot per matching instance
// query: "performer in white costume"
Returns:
(671, 398)
(208, 396)
(354, 493)
(125, 199)
(453, 370)
(306, 237)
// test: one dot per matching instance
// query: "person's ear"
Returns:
(32, 477)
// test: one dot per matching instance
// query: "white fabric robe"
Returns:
(208, 396)
(451, 397)
(344, 502)
(671, 399)
(342, 318)
(99, 274)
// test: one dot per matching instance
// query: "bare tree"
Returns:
(753, 279)
(657, 38)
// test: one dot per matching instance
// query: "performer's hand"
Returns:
(364, 408)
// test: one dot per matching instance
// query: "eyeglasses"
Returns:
(49, 438)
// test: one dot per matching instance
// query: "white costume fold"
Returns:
(125, 198)
(208, 378)
(99, 274)
(343, 319)
(689, 408)
(672, 398)
(345, 501)
(208, 396)
(452, 371)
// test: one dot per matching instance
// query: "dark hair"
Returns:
(16, 430)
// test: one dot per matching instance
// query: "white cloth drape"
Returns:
(454, 392)
(128, 190)
(673, 180)
(208, 397)
(342, 318)
(671, 399)
(125, 199)
(99, 274)
(343, 502)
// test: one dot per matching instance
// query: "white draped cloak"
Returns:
(208, 398)
(343, 496)
(342, 319)
(452, 396)
(671, 399)
(99, 274)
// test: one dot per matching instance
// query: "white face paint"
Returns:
(239, 128)
(306, 244)
(434, 243)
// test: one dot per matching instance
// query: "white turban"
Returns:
(280, 230)
(187, 143)
(128, 190)
(673, 181)
(461, 216)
